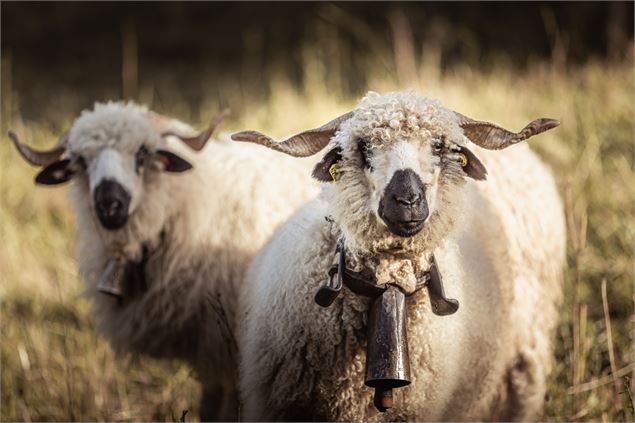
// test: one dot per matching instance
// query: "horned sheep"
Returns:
(172, 246)
(406, 186)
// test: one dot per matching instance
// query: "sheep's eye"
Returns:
(437, 146)
(140, 157)
(79, 163)
(364, 150)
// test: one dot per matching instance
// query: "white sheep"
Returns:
(399, 166)
(172, 247)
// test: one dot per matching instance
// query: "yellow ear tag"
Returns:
(333, 172)
(463, 158)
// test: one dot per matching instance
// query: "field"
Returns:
(54, 366)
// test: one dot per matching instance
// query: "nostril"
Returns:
(109, 207)
(114, 207)
(111, 204)
(409, 200)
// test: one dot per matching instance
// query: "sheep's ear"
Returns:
(56, 173)
(172, 162)
(322, 171)
(471, 165)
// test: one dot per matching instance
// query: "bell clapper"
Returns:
(383, 399)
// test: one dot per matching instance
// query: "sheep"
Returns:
(404, 190)
(170, 244)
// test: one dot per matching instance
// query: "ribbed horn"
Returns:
(40, 158)
(303, 144)
(198, 142)
(493, 137)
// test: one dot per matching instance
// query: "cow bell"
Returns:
(112, 279)
(387, 360)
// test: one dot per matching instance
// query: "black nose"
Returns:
(111, 204)
(403, 206)
(408, 200)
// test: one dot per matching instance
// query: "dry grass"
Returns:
(54, 367)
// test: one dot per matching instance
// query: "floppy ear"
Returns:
(56, 173)
(322, 170)
(471, 165)
(172, 162)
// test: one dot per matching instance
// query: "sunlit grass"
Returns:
(54, 366)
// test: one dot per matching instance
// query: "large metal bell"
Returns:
(387, 360)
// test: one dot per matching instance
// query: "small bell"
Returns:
(111, 280)
(387, 360)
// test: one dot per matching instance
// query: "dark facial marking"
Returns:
(80, 162)
(111, 204)
(473, 166)
(403, 207)
(365, 152)
(438, 146)
(140, 157)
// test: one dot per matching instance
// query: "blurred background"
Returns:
(283, 67)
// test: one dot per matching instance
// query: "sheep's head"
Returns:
(395, 163)
(112, 149)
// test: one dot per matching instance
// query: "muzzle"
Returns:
(111, 204)
(403, 207)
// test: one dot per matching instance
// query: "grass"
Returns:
(54, 366)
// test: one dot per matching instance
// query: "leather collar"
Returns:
(364, 284)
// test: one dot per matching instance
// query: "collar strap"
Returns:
(340, 275)
(356, 282)
(441, 305)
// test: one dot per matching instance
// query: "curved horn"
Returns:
(198, 142)
(303, 144)
(493, 137)
(40, 158)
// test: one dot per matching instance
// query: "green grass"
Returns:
(54, 366)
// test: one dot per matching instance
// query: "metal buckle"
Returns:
(329, 292)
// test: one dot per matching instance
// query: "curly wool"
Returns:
(383, 120)
(499, 245)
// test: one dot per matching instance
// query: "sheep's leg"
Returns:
(229, 407)
(218, 404)
(210, 403)
(526, 387)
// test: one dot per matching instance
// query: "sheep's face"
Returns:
(111, 152)
(402, 182)
(396, 171)
(398, 162)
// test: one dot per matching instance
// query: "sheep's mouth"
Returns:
(406, 228)
(114, 223)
